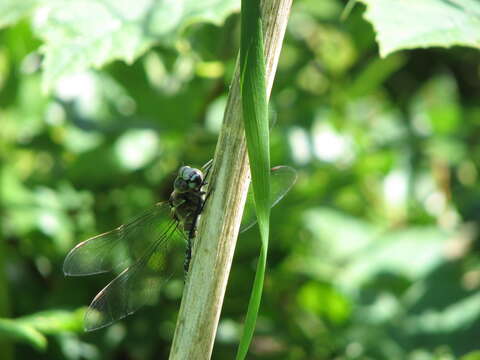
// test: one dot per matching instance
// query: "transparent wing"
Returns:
(134, 287)
(282, 179)
(120, 247)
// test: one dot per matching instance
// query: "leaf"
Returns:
(413, 252)
(32, 328)
(91, 33)
(356, 251)
(474, 355)
(54, 321)
(13, 10)
(455, 317)
(410, 24)
(13, 330)
(324, 300)
(255, 117)
(374, 74)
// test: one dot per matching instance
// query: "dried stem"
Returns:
(218, 229)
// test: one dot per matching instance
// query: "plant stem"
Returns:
(218, 229)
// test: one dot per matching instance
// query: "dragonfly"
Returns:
(137, 250)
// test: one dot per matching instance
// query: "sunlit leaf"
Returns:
(356, 250)
(90, 33)
(13, 10)
(136, 148)
(457, 316)
(410, 24)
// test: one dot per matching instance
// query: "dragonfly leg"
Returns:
(208, 165)
(206, 168)
(206, 198)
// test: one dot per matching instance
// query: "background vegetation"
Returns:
(373, 254)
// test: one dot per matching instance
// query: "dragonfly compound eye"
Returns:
(188, 179)
(184, 172)
(180, 185)
(196, 180)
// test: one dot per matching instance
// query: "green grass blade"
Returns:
(255, 114)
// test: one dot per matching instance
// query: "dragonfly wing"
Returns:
(120, 247)
(134, 287)
(282, 179)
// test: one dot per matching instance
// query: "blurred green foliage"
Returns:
(373, 254)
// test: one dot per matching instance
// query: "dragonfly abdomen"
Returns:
(186, 208)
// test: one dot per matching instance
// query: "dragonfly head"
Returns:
(188, 179)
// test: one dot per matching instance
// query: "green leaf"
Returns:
(356, 251)
(91, 33)
(32, 328)
(14, 330)
(455, 317)
(255, 107)
(474, 355)
(410, 24)
(324, 300)
(13, 10)
(255, 116)
(374, 75)
(413, 252)
(54, 321)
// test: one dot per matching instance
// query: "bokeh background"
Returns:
(373, 253)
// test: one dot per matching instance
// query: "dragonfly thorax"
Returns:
(187, 198)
